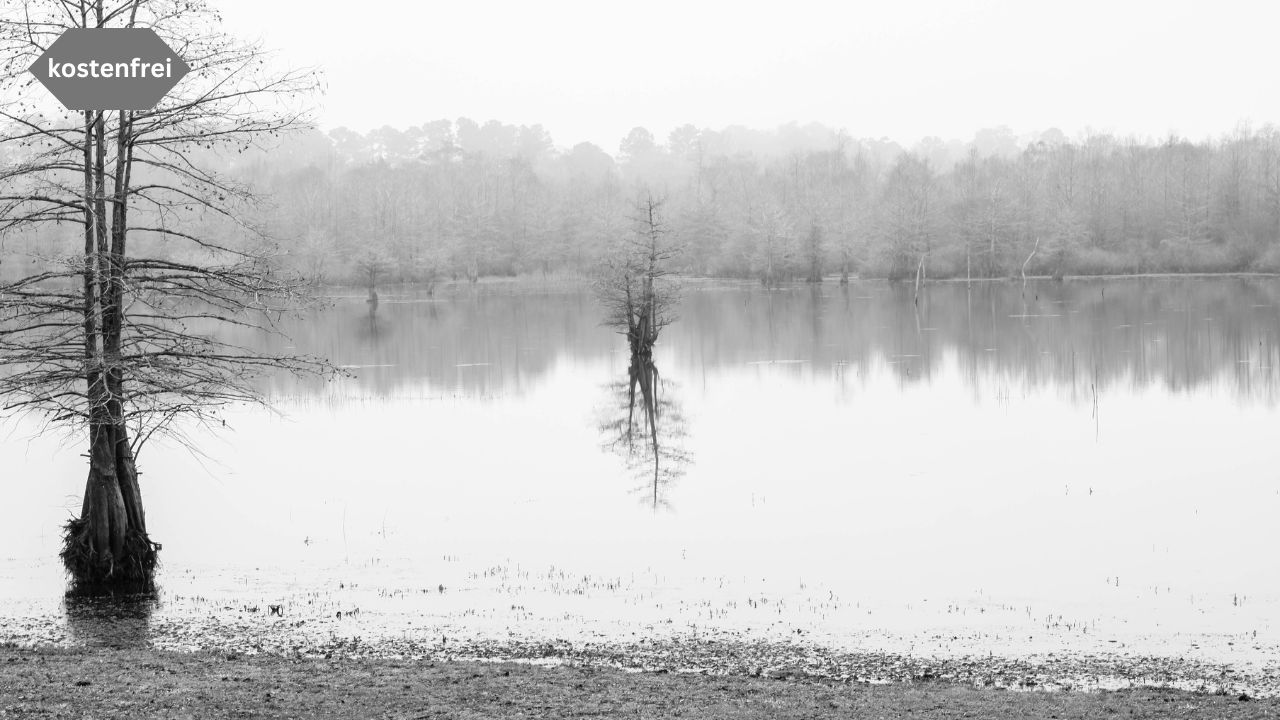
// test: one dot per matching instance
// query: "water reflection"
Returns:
(650, 438)
(974, 421)
(1178, 333)
(121, 621)
(370, 329)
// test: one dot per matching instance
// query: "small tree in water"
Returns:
(639, 292)
(636, 283)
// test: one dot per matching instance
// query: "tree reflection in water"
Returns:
(651, 437)
(120, 621)
(1168, 334)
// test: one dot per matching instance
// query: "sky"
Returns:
(901, 69)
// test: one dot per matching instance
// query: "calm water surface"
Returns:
(1086, 466)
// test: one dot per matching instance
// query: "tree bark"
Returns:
(107, 548)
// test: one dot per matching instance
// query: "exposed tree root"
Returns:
(99, 571)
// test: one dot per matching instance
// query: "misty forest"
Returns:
(771, 402)
(453, 200)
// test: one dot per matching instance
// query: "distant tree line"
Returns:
(462, 200)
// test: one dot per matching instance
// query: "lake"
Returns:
(1082, 467)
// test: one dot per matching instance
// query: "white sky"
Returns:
(904, 69)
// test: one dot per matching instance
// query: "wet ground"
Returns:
(333, 626)
(113, 683)
(1073, 486)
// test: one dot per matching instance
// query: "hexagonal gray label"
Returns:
(109, 68)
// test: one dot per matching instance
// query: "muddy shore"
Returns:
(107, 682)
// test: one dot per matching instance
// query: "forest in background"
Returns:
(462, 200)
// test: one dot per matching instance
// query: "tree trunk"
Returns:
(107, 547)
(815, 254)
(1028, 262)
(919, 275)
(113, 330)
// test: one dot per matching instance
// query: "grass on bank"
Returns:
(120, 683)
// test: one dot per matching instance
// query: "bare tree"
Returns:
(122, 343)
(907, 220)
(636, 285)
(815, 248)
(771, 229)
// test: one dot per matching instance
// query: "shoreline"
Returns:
(573, 283)
(112, 682)
(697, 653)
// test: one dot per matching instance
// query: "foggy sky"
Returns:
(901, 69)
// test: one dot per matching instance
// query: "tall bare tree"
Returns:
(118, 337)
